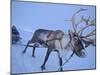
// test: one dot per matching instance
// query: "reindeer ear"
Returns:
(87, 43)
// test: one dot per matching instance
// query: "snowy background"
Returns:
(28, 17)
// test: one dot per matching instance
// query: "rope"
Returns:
(66, 60)
(70, 55)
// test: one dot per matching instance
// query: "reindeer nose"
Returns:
(83, 54)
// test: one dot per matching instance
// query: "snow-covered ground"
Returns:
(28, 17)
(25, 63)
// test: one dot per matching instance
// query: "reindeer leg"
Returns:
(35, 45)
(46, 58)
(60, 60)
(24, 51)
(33, 53)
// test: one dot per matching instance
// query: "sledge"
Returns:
(15, 35)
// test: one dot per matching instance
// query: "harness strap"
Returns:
(67, 60)
(49, 34)
(70, 55)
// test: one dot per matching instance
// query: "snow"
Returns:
(25, 63)
(27, 21)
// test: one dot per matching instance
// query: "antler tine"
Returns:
(73, 19)
(86, 20)
(84, 28)
(88, 23)
(91, 41)
(90, 34)
(74, 24)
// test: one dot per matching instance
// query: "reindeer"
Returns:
(58, 41)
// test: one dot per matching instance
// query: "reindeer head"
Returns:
(76, 44)
(78, 41)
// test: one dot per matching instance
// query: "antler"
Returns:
(88, 41)
(74, 24)
(81, 30)
(73, 19)
(89, 23)
(90, 34)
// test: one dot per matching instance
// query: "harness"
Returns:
(50, 34)
(54, 35)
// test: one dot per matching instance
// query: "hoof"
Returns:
(23, 52)
(33, 56)
(42, 67)
(61, 69)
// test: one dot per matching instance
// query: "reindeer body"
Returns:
(42, 36)
(53, 40)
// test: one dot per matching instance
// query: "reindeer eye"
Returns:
(75, 38)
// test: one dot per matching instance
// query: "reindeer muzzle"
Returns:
(81, 53)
